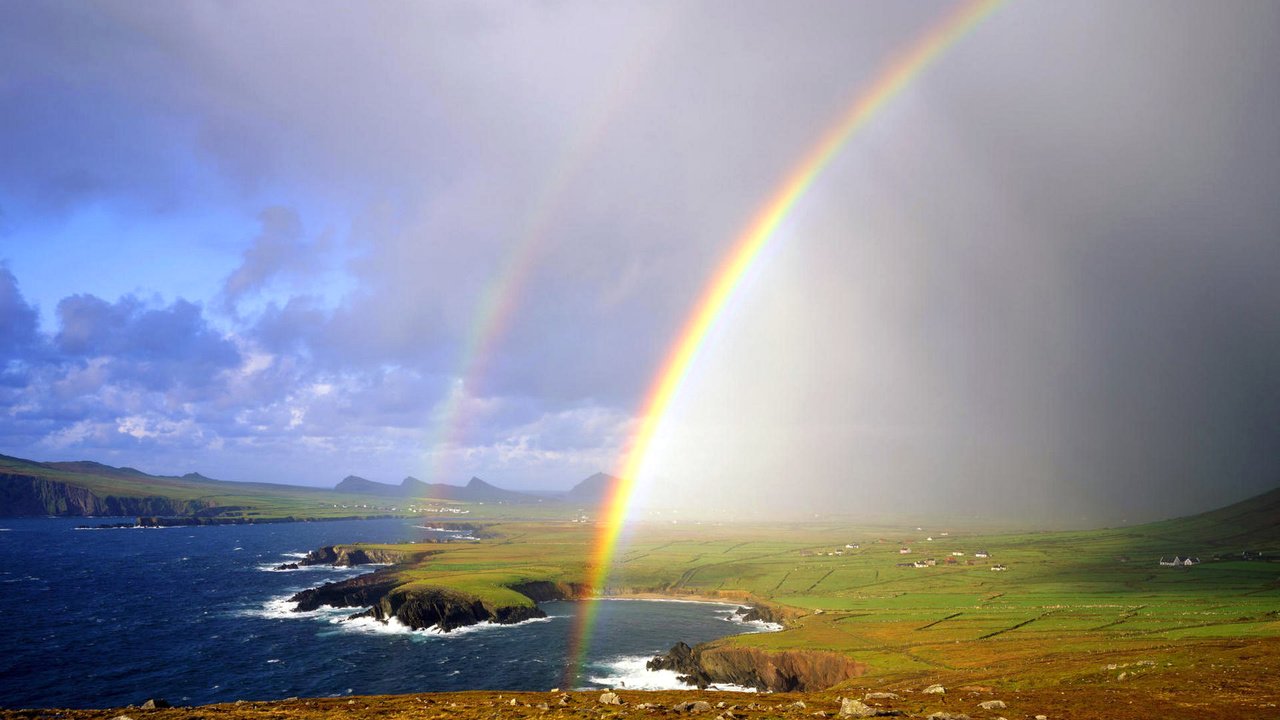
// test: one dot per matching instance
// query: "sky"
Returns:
(292, 241)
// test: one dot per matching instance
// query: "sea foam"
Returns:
(631, 673)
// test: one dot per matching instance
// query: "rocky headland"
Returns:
(717, 663)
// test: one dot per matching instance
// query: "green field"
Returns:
(1069, 605)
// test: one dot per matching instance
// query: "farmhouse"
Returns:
(1179, 561)
(904, 551)
(957, 553)
(982, 554)
(906, 564)
(998, 568)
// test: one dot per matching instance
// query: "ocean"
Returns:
(195, 615)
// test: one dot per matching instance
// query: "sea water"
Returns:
(194, 615)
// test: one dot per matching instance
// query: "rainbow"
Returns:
(745, 250)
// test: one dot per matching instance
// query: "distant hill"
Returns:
(593, 490)
(357, 485)
(1251, 522)
(85, 488)
(476, 490)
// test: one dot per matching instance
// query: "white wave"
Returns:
(6, 529)
(275, 567)
(298, 555)
(630, 672)
(369, 625)
(393, 626)
(281, 607)
(757, 626)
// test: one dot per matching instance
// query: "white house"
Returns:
(982, 554)
(904, 551)
(998, 568)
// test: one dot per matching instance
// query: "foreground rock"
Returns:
(850, 708)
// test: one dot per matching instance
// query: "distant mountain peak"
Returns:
(593, 489)
(476, 482)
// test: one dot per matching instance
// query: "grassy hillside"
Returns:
(1069, 604)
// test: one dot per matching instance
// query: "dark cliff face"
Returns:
(544, 590)
(350, 556)
(27, 495)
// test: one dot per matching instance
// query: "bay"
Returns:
(195, 615)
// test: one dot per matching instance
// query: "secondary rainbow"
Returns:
(499, 299)
(745, 250)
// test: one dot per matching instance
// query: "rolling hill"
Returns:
(85, 488)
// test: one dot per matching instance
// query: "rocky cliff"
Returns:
(784, 671)
(30, 495)
(385, 594)
(360, 591)
(445, 609)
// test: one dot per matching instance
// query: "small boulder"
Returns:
(155, 704)
(992, 705)
(934, 690)
(512, 701)
(610, 698)
(881, 696)
(1042, 717)
(543, 706)
(799, 705)
(850, 708)
(940, 715)
(699, 706)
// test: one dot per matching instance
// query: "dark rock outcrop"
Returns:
(360, 591)
(762, 613)
(784, 671)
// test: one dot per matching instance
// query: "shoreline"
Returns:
(192, 521)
